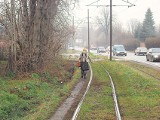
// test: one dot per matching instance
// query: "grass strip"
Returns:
(49, 106)
(138, 93)
(141, 67)
(98, 104)
(33, 99)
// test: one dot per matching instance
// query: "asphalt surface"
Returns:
(140, 59)
(131, 56)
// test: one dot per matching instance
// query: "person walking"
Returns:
(84, 63)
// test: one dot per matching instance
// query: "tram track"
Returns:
(146, 64)
(118, 115)
(114, 95)
(78, 105)
(117, 111)
(149, 65)
(75, 115)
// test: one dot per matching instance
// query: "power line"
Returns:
(93, 3)
(110, 5)
(131, 4)
(126, 1)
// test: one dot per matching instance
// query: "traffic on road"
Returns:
(142, 56)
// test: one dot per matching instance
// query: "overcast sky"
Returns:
(138, 11)
(123, 13)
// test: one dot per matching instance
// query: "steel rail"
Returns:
(118, 115)
(75, 115)
(113, 94)
(150, 65)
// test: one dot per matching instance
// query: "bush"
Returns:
(131, 44)
(11, 75)
(47, 77)
(35, 76)
(12, 106)
(152, 42)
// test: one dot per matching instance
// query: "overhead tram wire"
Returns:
(108, 5)
(123, 10)
(130, 5)
(135, 1)
(91, 14)
(93, 3)
(82, 21)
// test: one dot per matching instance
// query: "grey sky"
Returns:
(138, 11)
(123, 14)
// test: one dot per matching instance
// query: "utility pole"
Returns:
(73, 42)
(88, 34)
(111, 5)
(110, 30)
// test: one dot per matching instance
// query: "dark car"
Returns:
(141, 51)
(153, 54)
(101, 50)
(119, 50)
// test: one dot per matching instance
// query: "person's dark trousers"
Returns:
(84, 69)
(83, 74)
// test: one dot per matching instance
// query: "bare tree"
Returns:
(132, 26)
(36, 29)
(104, 22)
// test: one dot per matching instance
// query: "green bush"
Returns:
(35, 76)
(31, 92)
(11, 75)
(46, 77)
(44, 85)
(12, 106)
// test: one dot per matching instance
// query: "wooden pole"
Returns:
(110, 30)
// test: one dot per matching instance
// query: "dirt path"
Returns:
(66, 106)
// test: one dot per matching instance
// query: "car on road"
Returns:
(101, 50)
(93, 50)
(153, 54)
(119, 50)
(140, 51)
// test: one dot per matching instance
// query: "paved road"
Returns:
(142, 59)
(132, 56)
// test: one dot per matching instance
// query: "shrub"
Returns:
(12, 106)
(11, 75)
(131, 44)
(152, 42)
(35, 76)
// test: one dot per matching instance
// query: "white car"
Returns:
(101, 50)
(140, 51)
